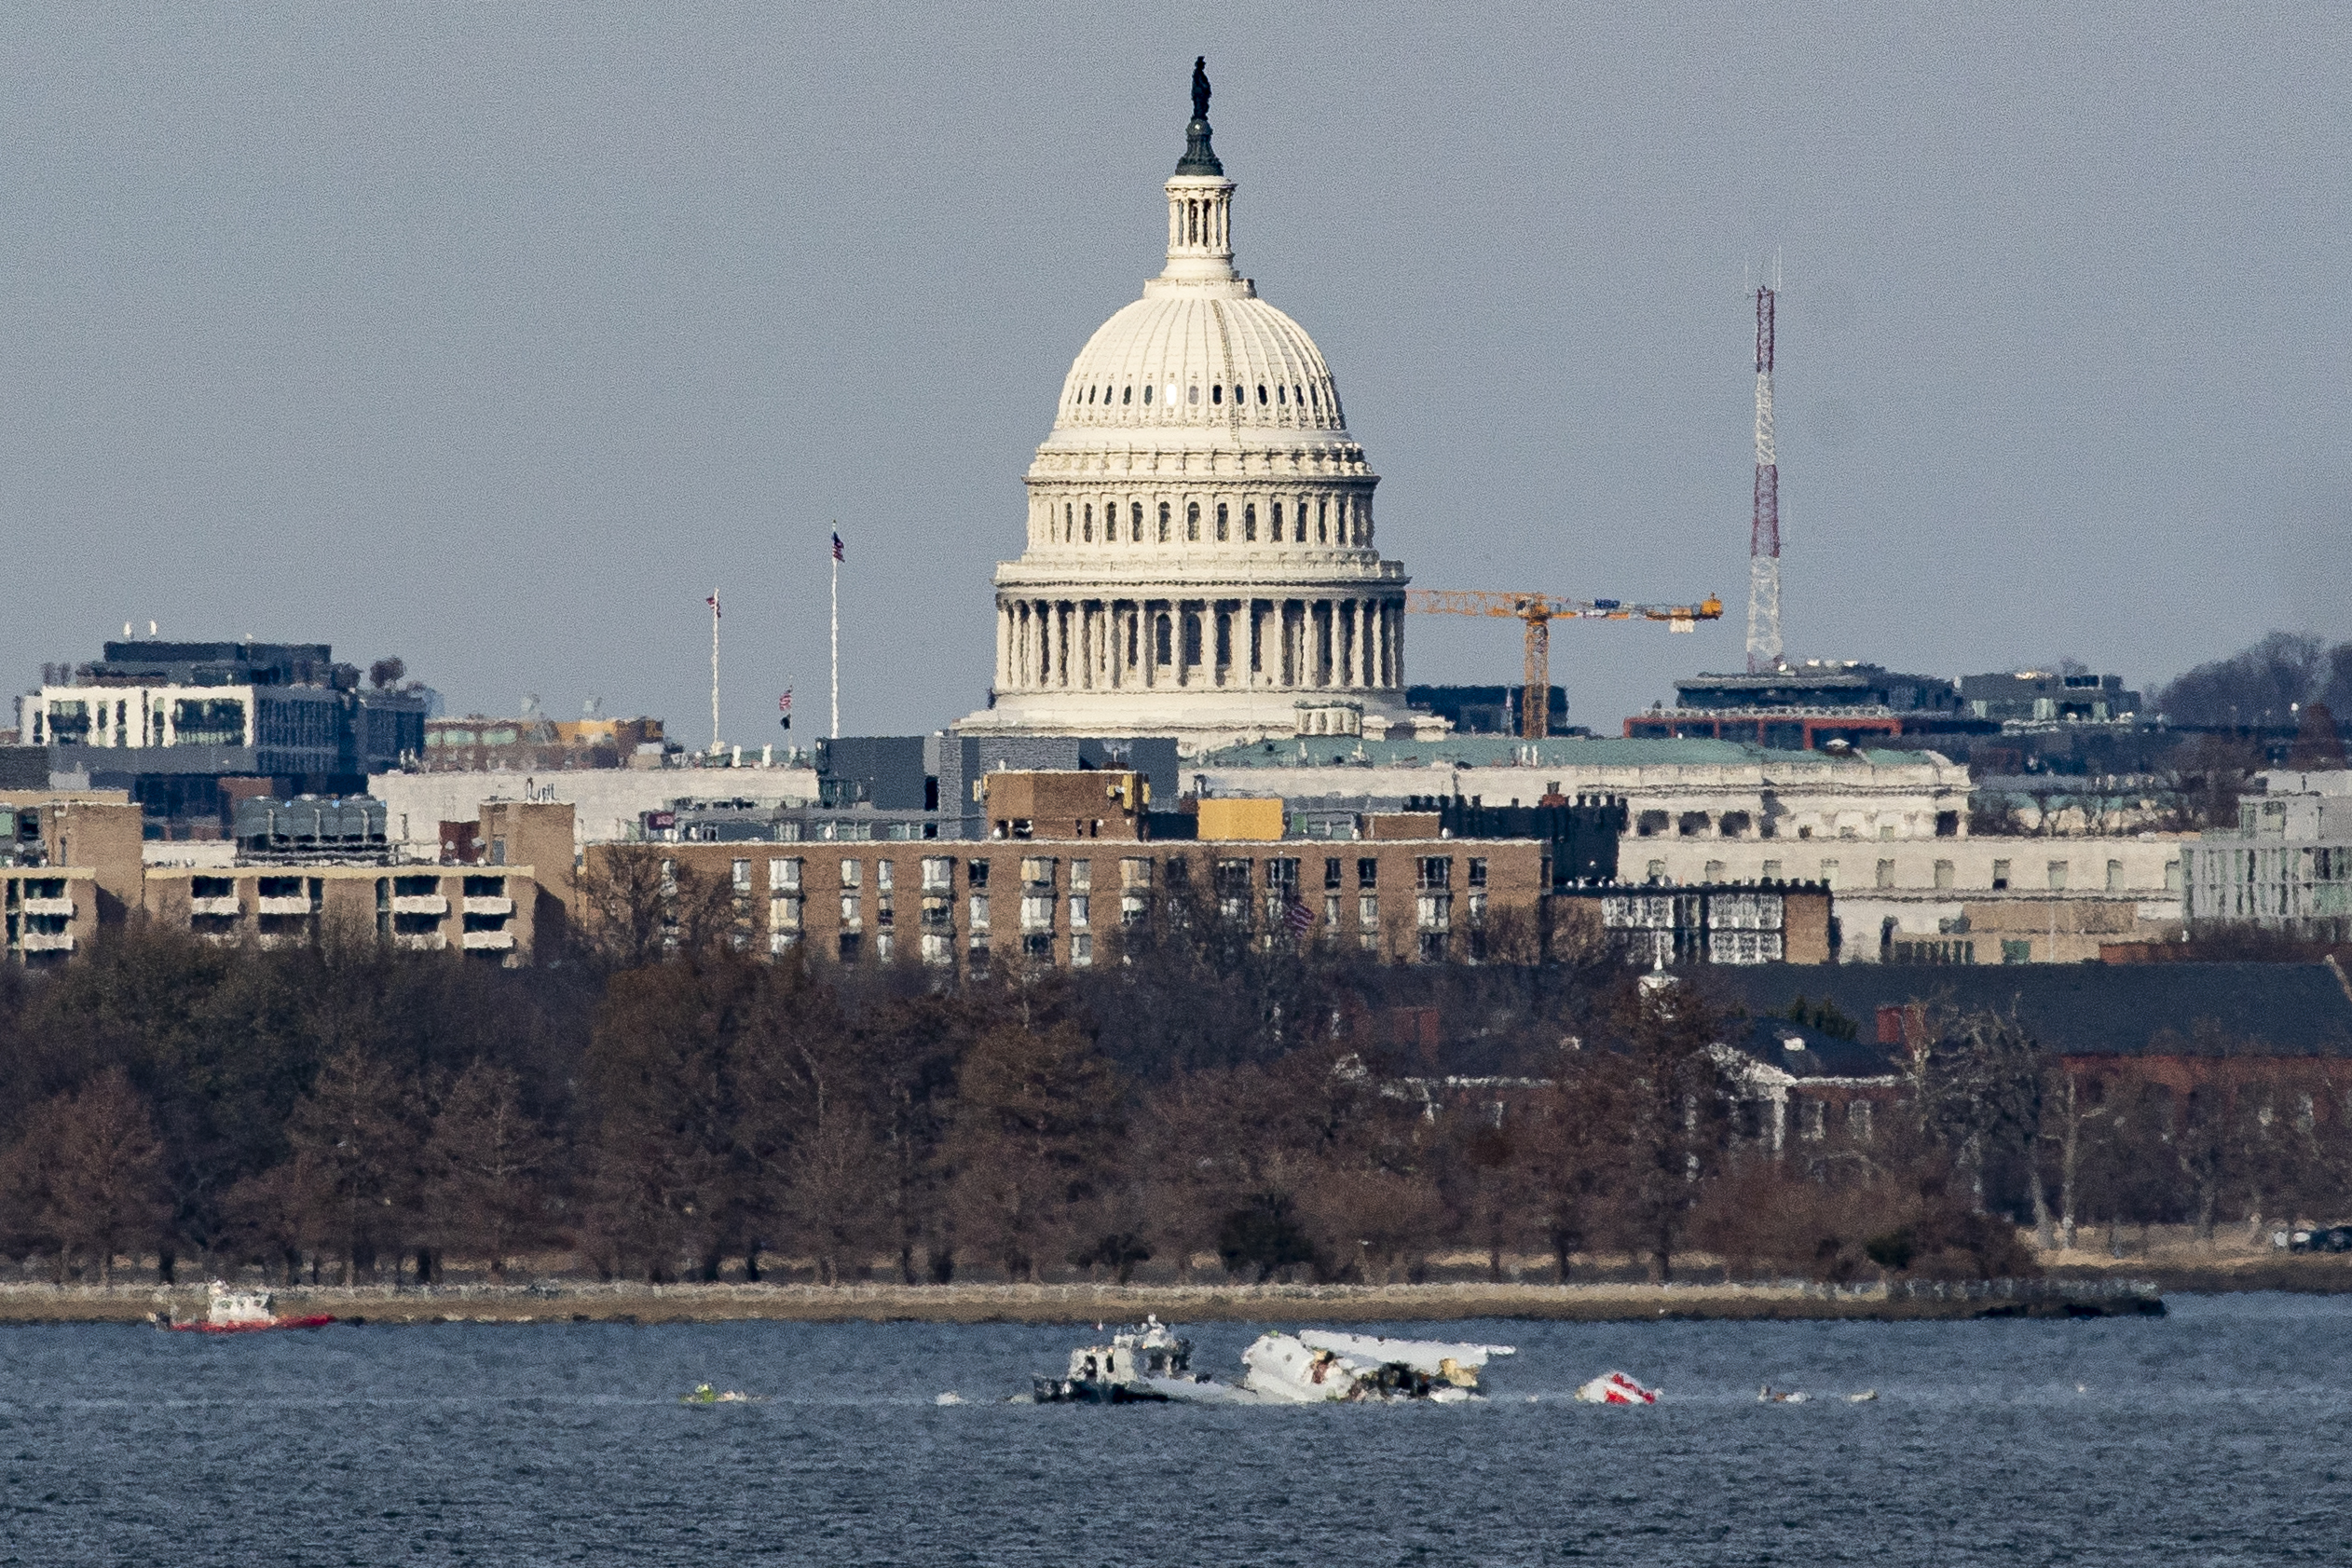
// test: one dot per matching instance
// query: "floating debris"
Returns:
(1315, 1365)
(950, 1397)
(1616, 1388)
(706, 1394)
(1149, 1364)
(1862, 1399)
(1768, 1395)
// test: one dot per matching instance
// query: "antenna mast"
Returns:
(1764, 532)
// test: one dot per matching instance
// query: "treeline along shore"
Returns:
(1210, 1104)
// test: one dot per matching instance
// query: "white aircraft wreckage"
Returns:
(1150, 1364)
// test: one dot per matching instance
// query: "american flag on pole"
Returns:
(784, 707)
(713, 603)
(837, 548)
(1299, 918)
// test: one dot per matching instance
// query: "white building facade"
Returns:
(2287, 865)
(1199, 558)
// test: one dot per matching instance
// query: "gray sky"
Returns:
(495, 337)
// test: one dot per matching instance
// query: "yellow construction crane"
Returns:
(1539, 611)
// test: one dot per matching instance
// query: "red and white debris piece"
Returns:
(1616, 1388)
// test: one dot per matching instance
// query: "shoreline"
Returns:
(1082, 1303)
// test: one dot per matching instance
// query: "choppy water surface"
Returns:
(2215, 1436)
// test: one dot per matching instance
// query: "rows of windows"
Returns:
(1057, 897)
(1306, 396)
(1323, 520)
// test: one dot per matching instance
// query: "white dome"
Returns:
(1200, 558)
(1210, 355)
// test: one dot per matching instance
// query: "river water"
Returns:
(2220, 1433)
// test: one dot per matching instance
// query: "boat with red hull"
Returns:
(245, 1312)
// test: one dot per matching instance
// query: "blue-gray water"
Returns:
(2218, 1435)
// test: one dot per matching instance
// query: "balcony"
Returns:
(486, 941)
(225, 904)
(295, 904)
(487, 906)
(421, 941)
(46, 941)
(420, 903)
(49, 907)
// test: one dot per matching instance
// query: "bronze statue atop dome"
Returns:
(1200, 157)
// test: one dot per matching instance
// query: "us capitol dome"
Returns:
(1199, 559)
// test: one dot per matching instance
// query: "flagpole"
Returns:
(837, 632)
(714, 672)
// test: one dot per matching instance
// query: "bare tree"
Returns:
(639, 905)
(356, 1136)
(1038, 1112)
(94, 1167)
(487, 1167)
(1655, 1084)
(1977, 1086)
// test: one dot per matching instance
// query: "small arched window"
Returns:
(1162, 652)
(1277, 534)
(1127, 395)
(1192, 394)
(1217, 393)
(1065, 523)
(1261, 394)
(1192, 520)
(1240, 394)
(1250, 523)
(1221, 521)
(1148, 394)
(1089, 535)
(1298, 529)
(1323, 526)
(1163, 525)
(1297, 400)
(1089, 394)
(1314, 397)
(1278, 394)
(1139, 522)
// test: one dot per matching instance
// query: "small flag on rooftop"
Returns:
(837, 549)
(713, 603)
(784, 705)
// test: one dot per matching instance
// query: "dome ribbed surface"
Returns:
(1215, 358)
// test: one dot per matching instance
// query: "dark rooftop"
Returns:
(2083, 1009)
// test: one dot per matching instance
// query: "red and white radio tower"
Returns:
(1764, 533)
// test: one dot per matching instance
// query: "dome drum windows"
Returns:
(1249, 524)
(1192, 393)
(1138, 519)
(1192, 522)
(1163, 525)
(1127, 395)
(1217, 393)
(1221, 521)
(1089, 535)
